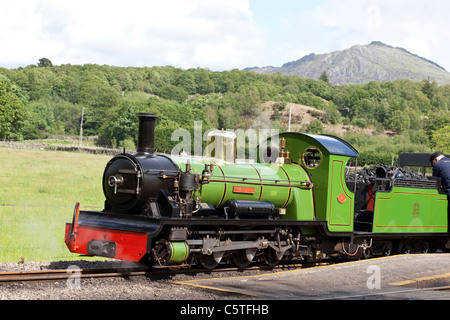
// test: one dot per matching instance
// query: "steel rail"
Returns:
(386, 293)
(61, 274)
(42, 275)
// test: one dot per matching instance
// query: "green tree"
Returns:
(441, 139)
(429, 88)
(315, 127)
(38, 82)
(435, 121)
(173, 93)
(12, 111)
(363, 108)
(203, 82)
(324, 77)
(186, 81)
(94, 92)
(163, 135)
(98, 98)
(41, 121)
(122, 125)
(44, 62)
(67, 88)
(399, 121)
(249, 100)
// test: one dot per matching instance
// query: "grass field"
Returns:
(38, 192)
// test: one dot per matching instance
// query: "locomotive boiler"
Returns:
(297, 204)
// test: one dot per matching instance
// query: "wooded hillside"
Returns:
(42, 100)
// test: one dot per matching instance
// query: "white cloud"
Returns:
(419, 26)
(214, 34)
(417, 45)
(186, 33)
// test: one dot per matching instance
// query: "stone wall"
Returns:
(44, 146)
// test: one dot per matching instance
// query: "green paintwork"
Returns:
(410, 210)
(402, 210)
(301, 206)
(276, 183)
(329, 182)
(179, 252)
(339, 215)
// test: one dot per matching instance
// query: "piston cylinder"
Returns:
(166, 252)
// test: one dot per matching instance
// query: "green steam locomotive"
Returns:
(300, 200)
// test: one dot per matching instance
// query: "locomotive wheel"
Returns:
(271, 257)
(425, 247)
(209, 261)
(404, 248)
(387, 250)
(242, 258)
(368, 253)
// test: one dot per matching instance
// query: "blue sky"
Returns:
(293, 29)
(287, 32)
(214, 34)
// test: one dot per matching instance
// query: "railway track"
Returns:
(397, 291)
(390, 294)
(158, 272)
(44, 275)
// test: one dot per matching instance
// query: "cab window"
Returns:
(312, 157)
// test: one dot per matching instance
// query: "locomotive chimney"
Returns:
(146, 135)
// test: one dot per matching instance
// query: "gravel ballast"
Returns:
(118, 288)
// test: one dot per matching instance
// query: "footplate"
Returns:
(122, 237)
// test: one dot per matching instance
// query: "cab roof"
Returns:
(335, 145)
(332, 144)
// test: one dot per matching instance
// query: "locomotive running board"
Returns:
(197, 222)
(121, 222)
(116, 236)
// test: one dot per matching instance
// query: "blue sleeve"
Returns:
(435, 172)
